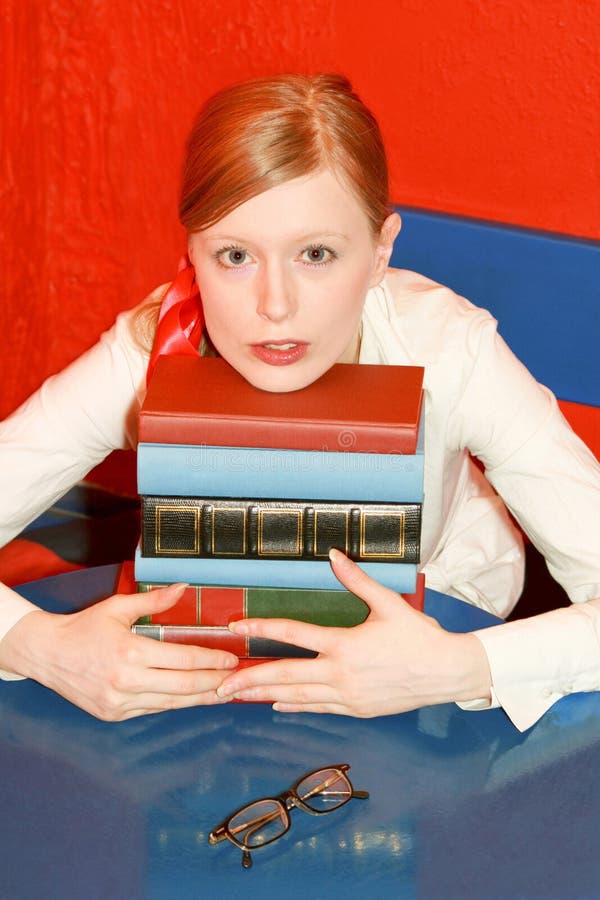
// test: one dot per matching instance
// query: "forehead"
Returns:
(320, 201)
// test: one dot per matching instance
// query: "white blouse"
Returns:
(480, 401)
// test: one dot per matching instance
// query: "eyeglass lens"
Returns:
(259, 823)
(324, 790)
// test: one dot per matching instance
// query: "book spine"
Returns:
(201, 605)
(165, 427)
(217, 638)
(220, 527)
(197, 470)
(218, 606)
(204, 605)
(301, 573)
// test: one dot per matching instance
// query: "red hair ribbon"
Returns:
(180, 320)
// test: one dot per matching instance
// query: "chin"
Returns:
(282, 380)
(280, 385)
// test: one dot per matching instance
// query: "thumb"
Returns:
(134, 606)
(381, 600)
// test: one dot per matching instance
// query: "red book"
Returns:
(201, 615)
(352, 408)
(218, 606)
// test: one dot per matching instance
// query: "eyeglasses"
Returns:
(260, 823)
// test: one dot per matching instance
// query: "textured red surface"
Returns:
(489, 109)
(203, 400)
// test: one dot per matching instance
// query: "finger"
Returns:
(172, 682)
(299, 695)
(147, 704)
(335, 709)
(278, 672)
(318, 638)
(377, 597)
(163, 655)
(134, 606)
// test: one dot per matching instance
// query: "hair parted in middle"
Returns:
(262, 133)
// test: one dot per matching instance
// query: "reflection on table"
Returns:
(461, 804)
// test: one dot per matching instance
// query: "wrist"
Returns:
(471, 670)
(20, 647)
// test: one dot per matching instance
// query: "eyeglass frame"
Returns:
(287, 800)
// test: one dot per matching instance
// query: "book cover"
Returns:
(250, 528)
(283, 573)
(202, 605)
(353, 408)
(201, 470)
(220, 638)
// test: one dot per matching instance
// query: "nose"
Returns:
(276, 299)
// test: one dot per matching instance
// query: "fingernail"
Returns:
(337, 557)
(238, 627)
(180, 586)
(225, 690)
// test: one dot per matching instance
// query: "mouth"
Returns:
(280, 353)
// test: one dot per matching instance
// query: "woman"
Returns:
(285, 201)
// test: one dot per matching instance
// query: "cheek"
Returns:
(350, 292)
(221, 309)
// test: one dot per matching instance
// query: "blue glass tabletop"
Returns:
(461, 804)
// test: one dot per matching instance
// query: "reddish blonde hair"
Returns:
(261, 133)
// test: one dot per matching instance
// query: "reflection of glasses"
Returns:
(262, 822)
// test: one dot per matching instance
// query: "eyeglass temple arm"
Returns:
(218, 834)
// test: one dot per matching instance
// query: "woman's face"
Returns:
(283, 280)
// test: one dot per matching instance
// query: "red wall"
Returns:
(489, 109)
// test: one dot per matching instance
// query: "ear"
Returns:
(384, 246)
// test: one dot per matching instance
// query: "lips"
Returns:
(280, 353)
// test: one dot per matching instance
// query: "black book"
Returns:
(208, 527)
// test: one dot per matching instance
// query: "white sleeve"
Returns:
(70, 425)
(534, 662)
(550, 481)
(62, 431)
(547, 477)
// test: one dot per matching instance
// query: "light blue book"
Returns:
(182, 470)
(310, 574)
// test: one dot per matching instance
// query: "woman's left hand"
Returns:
(398, 659)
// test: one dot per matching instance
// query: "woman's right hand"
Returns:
(94, 660)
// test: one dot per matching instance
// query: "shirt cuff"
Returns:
(12, 609)
(534, 662)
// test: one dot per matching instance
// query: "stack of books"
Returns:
(244, 492)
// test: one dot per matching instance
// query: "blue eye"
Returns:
(318, 255)
(232, 257)
(236, 256)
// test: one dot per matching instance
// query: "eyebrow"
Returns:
(300, 239)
